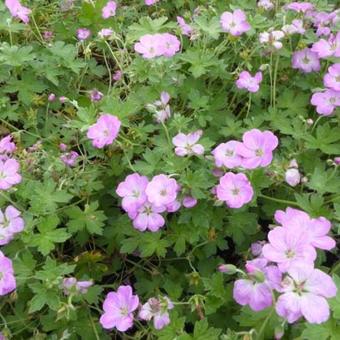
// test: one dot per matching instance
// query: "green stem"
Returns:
(166, 133)
(278, 200)
(263, 327)
(274, 81)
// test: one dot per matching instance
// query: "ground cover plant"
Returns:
(169, 169)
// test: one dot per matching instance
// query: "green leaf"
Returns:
(202, 331)
(49, 234)
(14, 55)
(90, 219)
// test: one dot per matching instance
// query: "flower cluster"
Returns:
(286, 265)
(119, 308)
(255, 150)
(144, 201)
(155, 45)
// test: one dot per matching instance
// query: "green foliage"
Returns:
(75, 226)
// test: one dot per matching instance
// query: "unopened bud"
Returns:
(309, 121)
(278, 333)
(229, 269)
(292, 177)
(293, 164)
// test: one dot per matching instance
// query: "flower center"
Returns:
(332, 100)
(290, 253)
(229, 153)
(235, 191)
(300, 288)
(148, 210)
(124, 311)
(163, 192)
(259, 152)
(135, 193)
(305, 60)
(337, 79)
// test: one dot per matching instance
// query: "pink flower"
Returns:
(161, 108)
(326, 102)
(72, 286)
(150, 2)
(235, 190)
(257, 148)
(132, 190)
(70, 158)
(292, 177)
(234, 23)
(306, 61)
(104, 131)
(187, 144)
(7, 279)
(287, 247)
(96, 95)
(265, 4)
(257, 290)
(256, 248)
(6, 145)
(9, 173)
(148, 217)
(109, 10)
(149, 46)
(295, 27)
(18, 11)
(162, 190)
(246, 81)
(156, 45)
(157, 309)
(189, 202)
(62, 147)
(105, 32)
(51, 97)
(170, 45)
(63, 99)
(118, 309)
(185, 28)
(173, 206)
(48, 35)
(10, 224)
(305, 290)
(272, 38)
(332, 78)
(301, 7)
(327, 48)
(83, 33)
(316, 229)
(225, 155)
(117, 75)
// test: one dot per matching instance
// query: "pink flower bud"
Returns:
(292, 177)
(227, 269)
(293, 164)
(189, 202)
(51, 97)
